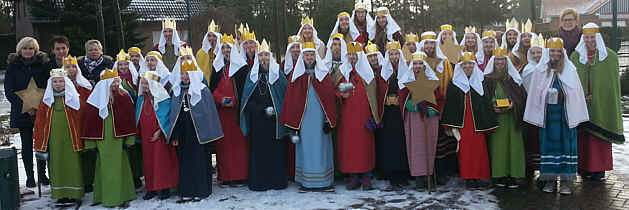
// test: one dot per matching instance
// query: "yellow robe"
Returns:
(205, 62)
(445, 76)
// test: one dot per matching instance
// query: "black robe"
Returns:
(453, 113)
(391, 157)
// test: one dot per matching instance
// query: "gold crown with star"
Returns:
(108, 74)
(135, 50)
(512, 24)
(151, 75)
(418, 56)
(240, 30)
(337, 35)
(360, 5)
(342, 14)
(393, 45)
(185, 50)
(527, 26)
(188, 65)
(169, 23)
(293, 39)
(538, 41)
(307, 20)
(489, 33)
(554, 43)
(265, 46)
(446, 27)
(412, 37)
(69, 60)
(227, 39)
(122, 56)
(470, 29)
(212, 27)
(57, 73)
(354, 47)
(501, 51)
(248, 35)
(371, 48)
(468, 56)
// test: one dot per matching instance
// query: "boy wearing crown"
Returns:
(436, 59)
(487, 50)
(57, 135)
(385, 29)
(597, 66)
(410, 46)
(169, 43)
(502, 84)
(467, 116)
(127, 72)
(194, 124)
(136, 57)
(349, 31)
(206, 55)
(292, 54)
(511, 35)
(363, 22)
(359, 108)
(154, 63)
(226, 84)
(248, 46)
(108, 130)
(557, 105)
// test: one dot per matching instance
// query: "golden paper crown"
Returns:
(527, 27)
(212, 27)
(151, 75)
(57, 73)
(337, 35)
(108, 74)
(470, 29)
(307, 20)
(489, 33)
(308, 45)
(591, 30)
(122, 56)
(169, 23)
(446, 27)
(538, 41)
(248, 35)
(69, 60)
(412, 37)
(554, 43)
(501, 51)
(264, 47)
(227, 39)
(468, 56)
(188, 65)
(154, 53)
(418, 56)
(360, 5)
(429, 35)
(293, 39)
(185, 50)
(135, 50)
(354, 47)
(371, 48)
(342, 14)
(382, 11)
(394, 45)
(513, 24)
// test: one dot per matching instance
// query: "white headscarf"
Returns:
(175, 76)
(362, 68)
(175, 40)
(387, 68)
(71, 95)
(392, 26)
(274, 69)
(410, 75)
(288, 58)
(475, 81)
(300, 68)
(206, 46)
(157, 90)
(600, 46)
(315, 37)
(381, 61)
(511, 70)
(242, 47)
(480, 55)
(438, 51)
(161, 69)
(568, 69)
(134, 72)
(504, 38)
(516, 47)
(236, 60)
(100, 95)
(141, 62)
(328, 53)
(453, 36)
(196, 82)
(80, 79)
(369, 22)
(353, 31)
(532, 65)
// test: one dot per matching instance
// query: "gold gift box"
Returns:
(392, 99)
(503, 103)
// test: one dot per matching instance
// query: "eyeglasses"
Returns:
(569, 20)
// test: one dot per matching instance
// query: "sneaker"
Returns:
(196, 199)
(366, 184)
(327, 189)
(565, 187)
(353, 184)
(500, 182)
(550, 186)
(184, 200)
(512, 183)
(598, 176)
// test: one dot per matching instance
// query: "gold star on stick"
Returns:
(452, 51)
(422, 89)
(31, 97)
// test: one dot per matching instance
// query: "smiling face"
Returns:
(307, 33)
(526, 40)
(151, 62)
(429, 48)
(294, 51)
(226, 51)
(344, 24)
(381, 20)
(394, 56)
(536, 54)
(144, 84)
(447, 36)
(361, 15)
(512, 37)
(488, 46)
(60, 50)
(590, 41)
(168, 35)
(569, 22)
(123, 66)
(412, 48)
(211, 37)
(94, 52)
(470, 40)
(185, 78)
(58, 84)
(71, 70)
(556, 54)
(468, 68)
(418, 67)
(373, 60)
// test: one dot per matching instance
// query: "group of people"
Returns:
(370, 102)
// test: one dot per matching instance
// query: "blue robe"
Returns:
(204, 115)
(162, 112)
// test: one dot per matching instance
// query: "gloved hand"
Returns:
(327, 128)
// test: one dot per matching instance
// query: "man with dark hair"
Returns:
(60, 49)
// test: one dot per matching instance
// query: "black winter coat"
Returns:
(17, 77)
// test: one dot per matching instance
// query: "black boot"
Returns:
(598, 176)
(149, 195)
(164, 194)
(30, 178)
(41, 173)
(420, 183)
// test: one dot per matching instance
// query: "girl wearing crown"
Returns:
(385, 29)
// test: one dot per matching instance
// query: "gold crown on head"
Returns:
(264, 47)
(337, 35)
(468, 56)
(293, 39)
(591, 29)
(382, 11)
(418, 56)
(527, 26)
(354, 47)
(412, 37)
(308, 45)
(489, 33)
(108, 74)
(69, 60)
(227, 39)
(371, 48)
(135, 50)
(360, 5)
(122, 56)
(188, 65)
(538, 41)
(470, 29)
(554, 43)
(429, 35)
(57, 73)
(501, 52)
(151, 75)
(393, 45)
(342, 14)
(307, 20)
(446, 27)
(185, 50)
(154, 53)
(212, 27)
(248, 35)
(513, 24)
(169, 23)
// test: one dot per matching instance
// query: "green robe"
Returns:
(506, 144)
(601, 79)
(113, 181)
(65, 164)
(169, 58)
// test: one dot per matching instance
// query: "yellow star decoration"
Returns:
(452, 51)
(31, 96)
(422, 89)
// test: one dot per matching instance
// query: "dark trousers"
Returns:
(26, 136)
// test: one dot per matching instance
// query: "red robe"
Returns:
(123, 113)
(41, 134)
(232, 152)
(473, 155)
(296, 95)
(290, 147)
(483, 65)
(356, 145)
(161, 168)
(364, 35)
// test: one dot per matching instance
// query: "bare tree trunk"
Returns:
(121, 38)
(101, 25)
